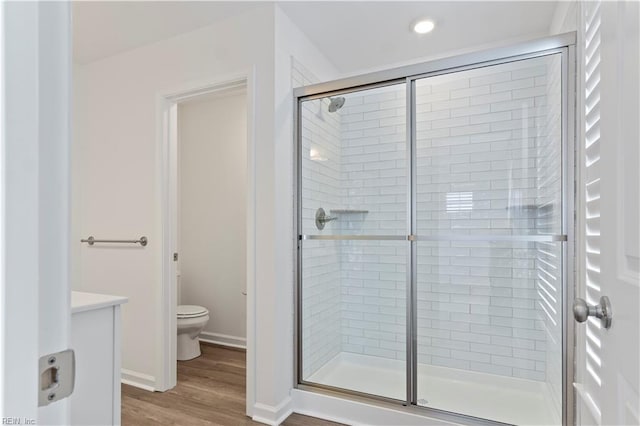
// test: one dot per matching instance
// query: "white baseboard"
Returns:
(139, 380)
(223, 340)
(270, 415)
(354, 412)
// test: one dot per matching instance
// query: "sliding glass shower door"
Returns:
(432, 248)
(353, 188)
(489, 250)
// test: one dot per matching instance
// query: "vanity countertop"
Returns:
(81, 301)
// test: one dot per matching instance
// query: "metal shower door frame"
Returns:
(564, 45)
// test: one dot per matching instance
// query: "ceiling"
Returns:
(363, 35)
(353, 35)
(106, 28)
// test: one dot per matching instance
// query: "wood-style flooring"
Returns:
(210, 391)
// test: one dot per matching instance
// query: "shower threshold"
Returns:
(488, 396)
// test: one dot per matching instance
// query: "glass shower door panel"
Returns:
(489, 263)
(353, 236)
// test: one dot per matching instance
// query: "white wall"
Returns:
(78, 124)
(212, 168)
(276, 319)
(117, 156)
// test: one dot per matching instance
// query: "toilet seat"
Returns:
(191, 311)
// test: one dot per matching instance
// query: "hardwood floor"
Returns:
(210, 390)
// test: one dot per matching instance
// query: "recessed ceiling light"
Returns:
(424, 26)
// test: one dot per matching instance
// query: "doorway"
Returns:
(435, 235)
(212, 212)
(224, 171)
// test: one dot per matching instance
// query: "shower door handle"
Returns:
(602, 311)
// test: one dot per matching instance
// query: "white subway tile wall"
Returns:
(487, 165)
(374, 179)
(374, 298)
(488, 162)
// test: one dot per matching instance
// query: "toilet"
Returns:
(191, 321)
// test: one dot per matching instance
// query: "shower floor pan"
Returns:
(488, 396)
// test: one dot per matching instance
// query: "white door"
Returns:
(34, 180)
(607, 360)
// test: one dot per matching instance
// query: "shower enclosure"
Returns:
(434, 217)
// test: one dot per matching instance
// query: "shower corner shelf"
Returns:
(322, 218)
(348, 211)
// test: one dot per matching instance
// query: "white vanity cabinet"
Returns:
(96, 340)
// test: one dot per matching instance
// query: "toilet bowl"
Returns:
(191, 321)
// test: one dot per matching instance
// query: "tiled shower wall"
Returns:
(486, 157)
(373, 178)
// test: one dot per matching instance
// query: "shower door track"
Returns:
(453, 237)
(563, 44)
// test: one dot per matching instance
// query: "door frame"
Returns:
(167, 149)
(602, 270)
(35, 118)
(562, 43)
